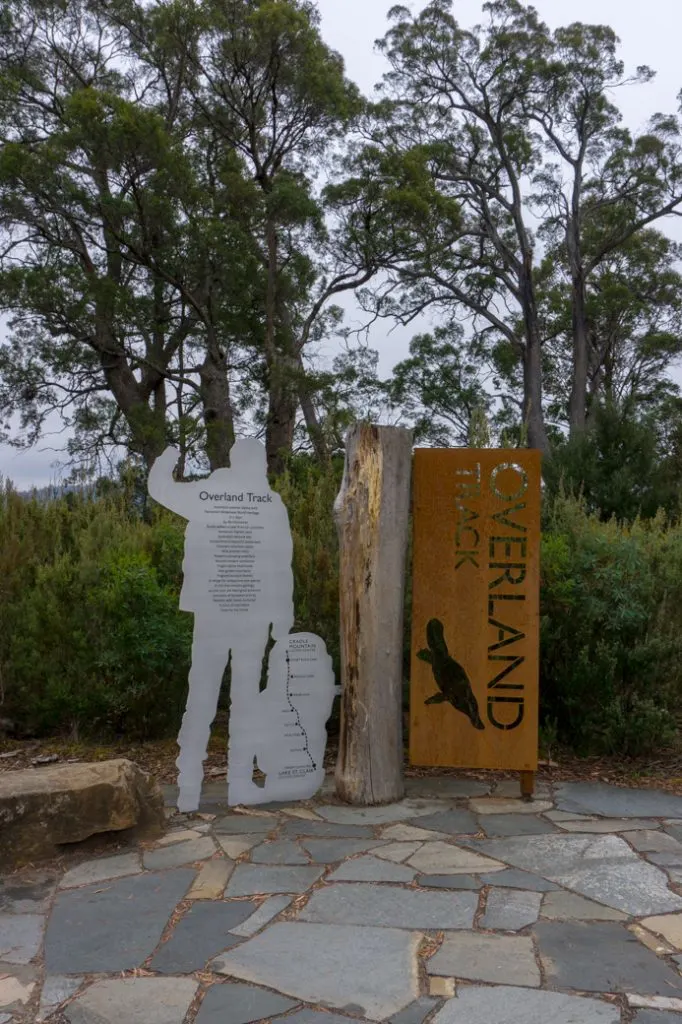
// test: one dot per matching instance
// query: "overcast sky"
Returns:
(650, 31)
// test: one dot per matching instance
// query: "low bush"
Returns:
(92, 641)
(91, 638)
(611, 630)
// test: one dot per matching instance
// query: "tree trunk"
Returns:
(214, 388)
(372, 513)
(282, 408)
(533, 413)
(315, 433)
(577, 409)
(147, 425)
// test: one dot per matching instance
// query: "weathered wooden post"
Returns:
(372, 513)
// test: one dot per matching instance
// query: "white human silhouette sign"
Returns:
(238, 582)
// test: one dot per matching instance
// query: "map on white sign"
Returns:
(286, 726)
(238, 583)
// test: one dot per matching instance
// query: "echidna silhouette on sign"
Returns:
(451, 679)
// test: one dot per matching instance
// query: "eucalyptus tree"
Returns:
(495, 144)
(168, 252)
(85, 164)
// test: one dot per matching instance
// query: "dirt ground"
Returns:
(158, 758)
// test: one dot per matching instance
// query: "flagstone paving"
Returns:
(459, 905)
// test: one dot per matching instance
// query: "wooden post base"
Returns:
(527, 780)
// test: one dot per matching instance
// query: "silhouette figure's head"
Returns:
(247, 459)
(435, 636)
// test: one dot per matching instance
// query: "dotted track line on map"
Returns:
(298, 717)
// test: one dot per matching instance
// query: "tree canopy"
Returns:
(188, 188)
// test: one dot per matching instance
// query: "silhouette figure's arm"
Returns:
(163, 488)
(425, 656)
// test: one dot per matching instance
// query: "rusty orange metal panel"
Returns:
(475, 608)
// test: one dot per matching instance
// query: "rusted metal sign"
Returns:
(475, 608)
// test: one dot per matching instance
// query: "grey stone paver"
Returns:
(375, 880)
(235, 846)
(501, 959)
(509, 805)
(506, 1005)
(115, 927)
(371, 869)
(416, 1011)
(133, 1000)
(31, 895)
(325, 829)
(308, 1016)
(651, 841)
(17, 985)
(180, 853)
(446, 859)
(390, 907)
(516, 825)
(665, 860)
(102, 869)
(567, 906)
(449, 881)
(603, 868)
(671, 1004)
(444, 788)
(328, 964)
(331, 851)
(512, 878)
(21, 937)
(269, 909)
(602, 957)
(656, 1017)
(201, 934)
(255, 879)
(458, 822)
(511, 788)
(568, 816)
(244, 824)
(56, 990)
(405, 832)
(177, 835)
(284, 851)
(674, 829)
(240, 1004)
(387, 813)
(616, 802)
(510, 910)
(397, 852)
(604, 825)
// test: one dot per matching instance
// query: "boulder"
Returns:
(43, 808)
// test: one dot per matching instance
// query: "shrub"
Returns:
(92, 639)
(309, 491)
(620, 467)
(611, 624)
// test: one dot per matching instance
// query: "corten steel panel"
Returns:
(475, 608)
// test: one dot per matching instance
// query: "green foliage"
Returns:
(92, 641)
(91, 638)
(611, 648)
(308, 491)
(619, 467)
